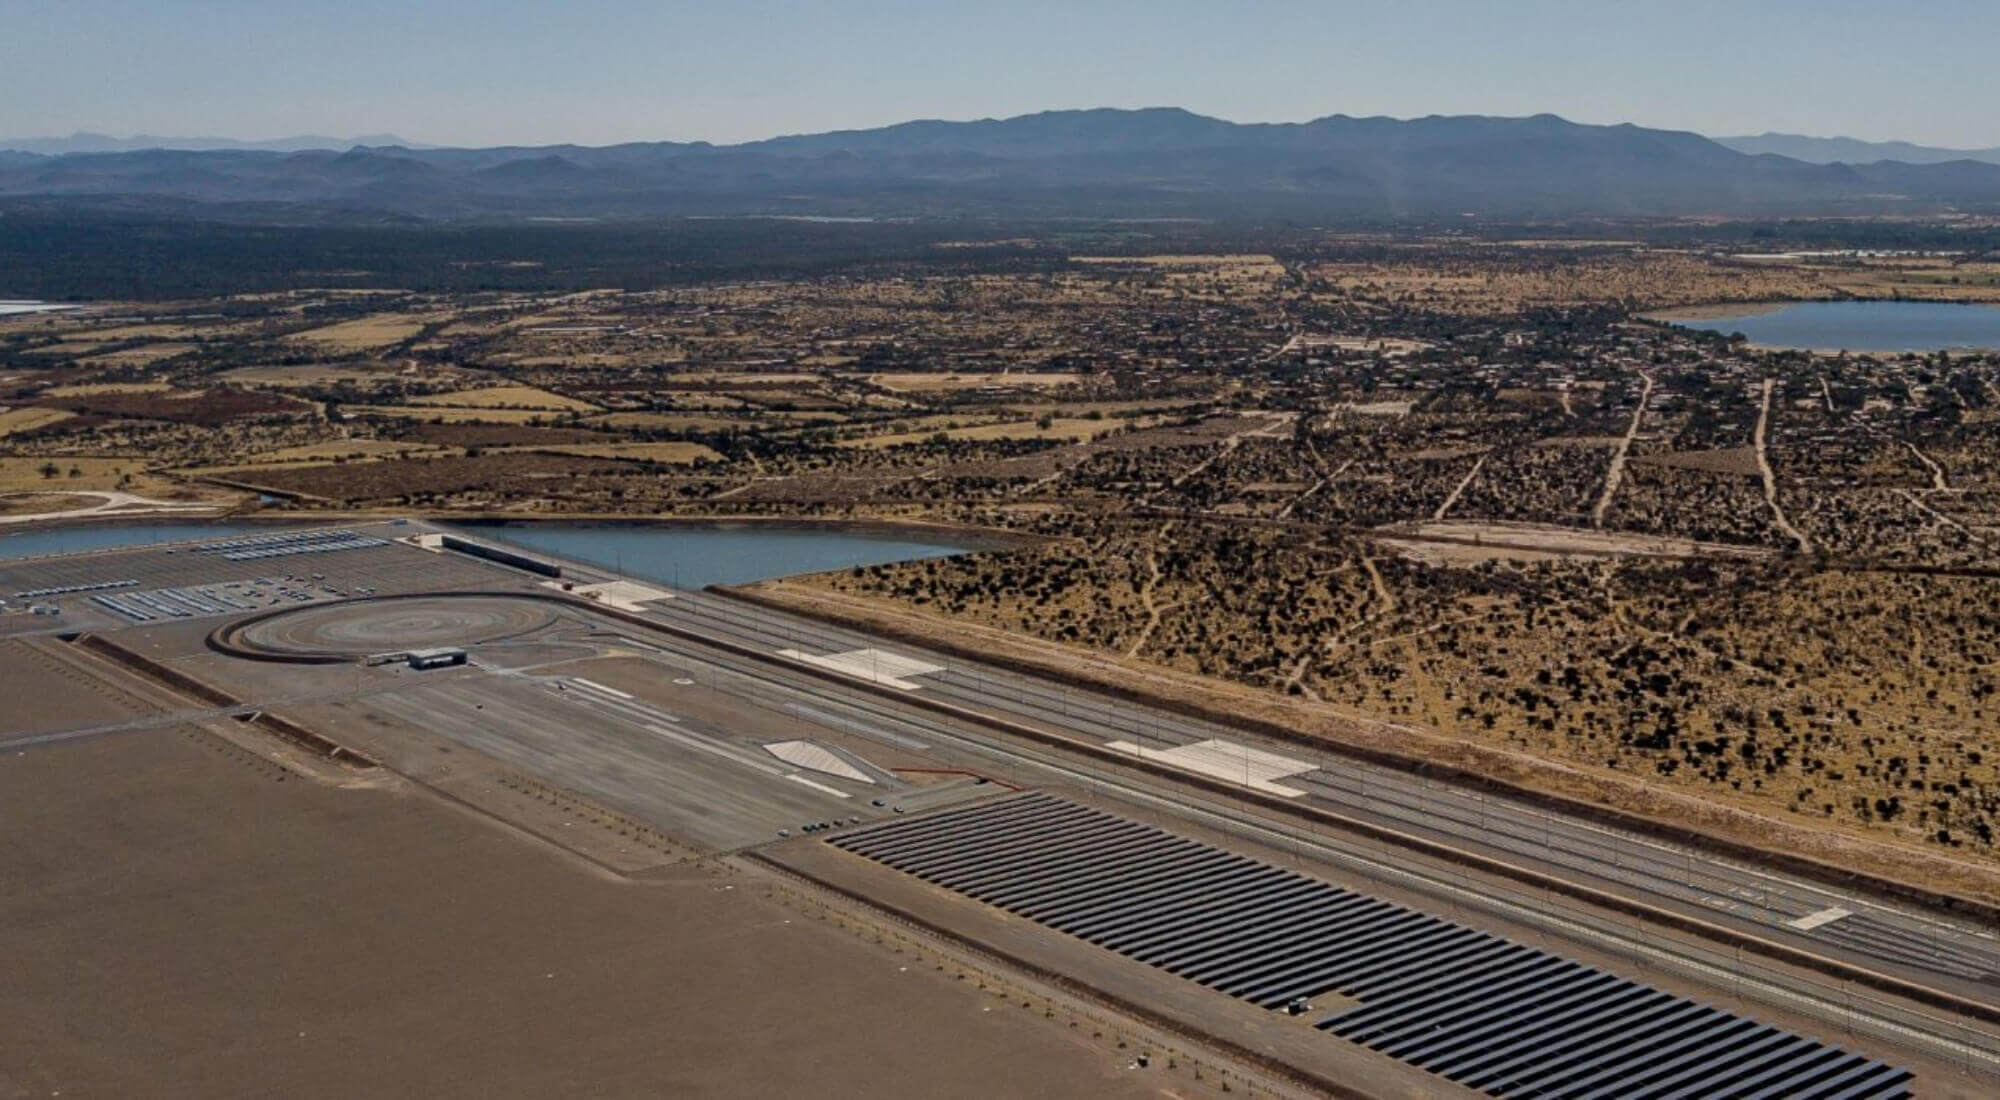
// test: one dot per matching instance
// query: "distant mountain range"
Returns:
(1842, 150)
(86, 142)
(1160, 162)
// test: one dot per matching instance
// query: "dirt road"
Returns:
(1770, 478)
(1614, 475)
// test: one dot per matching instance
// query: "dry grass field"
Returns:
(367, 333)
(1241, 265)
(673, 453)
(1067, 429)
(66, 349)
(29, 419)
(338, 448)
(34, 504)
(26, 473)
(489, 478)
(913, 382)
(142, 356)
(672, 422)
(96, 389)
(209, 408)
(507, 397)
(450, 414)
(1476, 282)
(306, 376)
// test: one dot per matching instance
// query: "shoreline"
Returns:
(971, 539)
(1712, 317)
(967, 537)
(1723, 311)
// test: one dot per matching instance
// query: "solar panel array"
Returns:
(67, 589)
(1469, 1006)
(257, 547)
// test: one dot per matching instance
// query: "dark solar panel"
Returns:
(1496, 1016)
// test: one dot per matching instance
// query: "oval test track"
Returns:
(348, 630)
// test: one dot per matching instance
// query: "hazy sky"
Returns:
(483, 72)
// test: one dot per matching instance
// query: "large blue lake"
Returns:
(111, 536)
(688, 557)
(693, 557)
(1858, 326)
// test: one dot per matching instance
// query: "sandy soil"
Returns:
(375, 942)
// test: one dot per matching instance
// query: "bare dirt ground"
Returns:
(376, 942)
(1770, 478)
(1538, 540)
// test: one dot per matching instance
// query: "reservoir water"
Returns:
(9, 306)
(1880, 327)
(694, 557)
(111, 536)
(689, 557)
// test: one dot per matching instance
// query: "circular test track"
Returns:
(350, 630)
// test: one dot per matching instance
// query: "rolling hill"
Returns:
(1161, 162)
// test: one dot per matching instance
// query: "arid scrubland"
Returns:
(1452, 484)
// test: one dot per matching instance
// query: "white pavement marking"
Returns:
(800, 779)
(649, 718)
(1825, 916)
(600, 687)
(874, 665)
(623, 595)
(1241, 764)
(816, 758)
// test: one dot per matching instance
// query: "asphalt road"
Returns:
(1950, 954)
(891, 723)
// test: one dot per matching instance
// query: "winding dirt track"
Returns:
(1770, 478)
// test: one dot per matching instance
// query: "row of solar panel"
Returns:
(175, 603)
(1476, 1009)
(67, 589)
(324, 546)
(263, 542)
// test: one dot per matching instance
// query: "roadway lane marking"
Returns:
(1825, 916)
(600, 687)
(821, 787)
